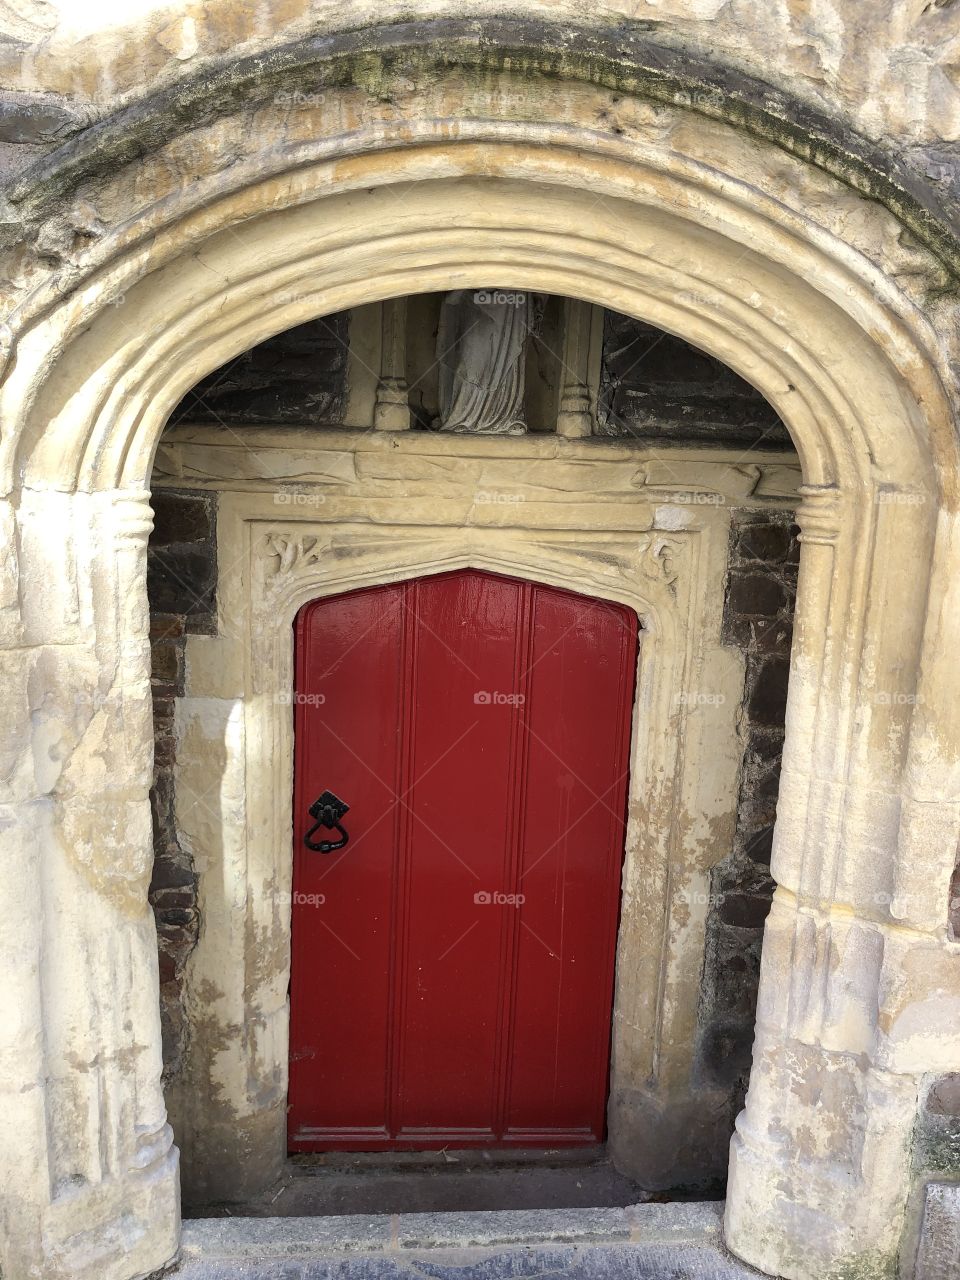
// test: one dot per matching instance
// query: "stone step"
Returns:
(641, 1242)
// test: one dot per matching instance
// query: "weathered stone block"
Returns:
(756, 594)
(182, 578)
(938, 1257)
(181, 517)
(768, 698)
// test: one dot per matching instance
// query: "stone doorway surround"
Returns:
(691, 214)
(337, 510)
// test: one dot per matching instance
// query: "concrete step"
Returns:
(640, 1242)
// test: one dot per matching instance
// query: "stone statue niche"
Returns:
(481, 348)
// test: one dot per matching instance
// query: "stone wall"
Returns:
(189, 170)
(181, 583)
(758, 619)
(656, 386)
(298, 376)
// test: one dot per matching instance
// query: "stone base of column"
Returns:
(392, 410)
(822, 1197)
(122, 1229)
(938, 1253)
(575, 419)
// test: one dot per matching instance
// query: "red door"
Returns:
(452, 972)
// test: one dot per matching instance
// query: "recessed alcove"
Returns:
(649, 474)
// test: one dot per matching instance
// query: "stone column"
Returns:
(81, 1049)
(575, 415)
(854, 992)
(392, 410)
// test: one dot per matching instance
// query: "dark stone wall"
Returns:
(936, 1148)
(654, 386)
(757, 619)
(181, 585)
(298, 377)
(937, 1132)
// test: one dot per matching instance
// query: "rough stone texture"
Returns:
(181, 578)
(471, 1230)
(182, 569)
(656, 386)
(256, 1239)
(612, 158)
(939, 1255)
(906, 88)
(647, 1242)
(936, 1150)
(758, 619)
(598, 1262)
(478, 1180)
(954, 908)
(298, 377)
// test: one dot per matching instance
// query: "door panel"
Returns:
(578, 718)
(347, 716)
(478, 727)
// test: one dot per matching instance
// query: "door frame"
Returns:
(657, 553)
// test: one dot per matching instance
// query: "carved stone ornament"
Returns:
(293, 552)
(659, 560)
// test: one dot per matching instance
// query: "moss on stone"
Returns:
(619, 59)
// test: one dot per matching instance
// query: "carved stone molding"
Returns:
(290, 552)
(819, 514)
(660, 560)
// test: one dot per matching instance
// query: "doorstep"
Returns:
(640, 1242)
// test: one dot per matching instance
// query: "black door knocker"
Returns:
(327, 809)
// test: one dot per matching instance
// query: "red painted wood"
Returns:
(478, 727)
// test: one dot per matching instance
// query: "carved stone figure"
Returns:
(480, 348)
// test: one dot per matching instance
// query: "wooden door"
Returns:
(452, 969)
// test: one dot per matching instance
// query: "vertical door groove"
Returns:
(403, 819)
(520, 741)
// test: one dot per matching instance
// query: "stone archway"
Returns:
(857, 957)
